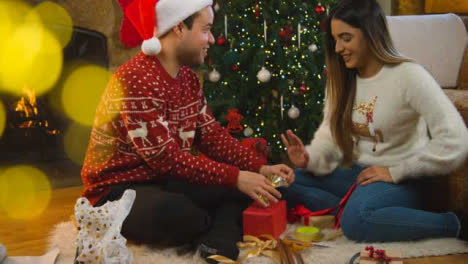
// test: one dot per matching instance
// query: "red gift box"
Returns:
(270, 220)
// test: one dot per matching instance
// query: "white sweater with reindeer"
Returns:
(404, 121)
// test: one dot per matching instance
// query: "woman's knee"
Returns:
(353, 223)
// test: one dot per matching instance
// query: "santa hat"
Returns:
(140, 16)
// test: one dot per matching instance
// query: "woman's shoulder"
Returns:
(410, 71)
(407, 66)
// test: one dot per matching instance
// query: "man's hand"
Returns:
(374, 174)
(281, 170)
(254, 185)
(296, 151)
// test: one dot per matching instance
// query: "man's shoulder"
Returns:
(134, 66)
(187, 74)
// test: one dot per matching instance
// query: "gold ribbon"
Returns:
(266, 247)
(296, 245)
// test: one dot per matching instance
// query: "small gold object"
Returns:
(276, 181)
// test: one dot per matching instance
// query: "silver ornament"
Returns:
(214, 76)
(294, 112)
(248, 131)
(264, 75)
(313, 47)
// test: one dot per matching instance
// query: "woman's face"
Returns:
(350, 44)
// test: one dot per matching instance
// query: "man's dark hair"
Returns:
(189, 20)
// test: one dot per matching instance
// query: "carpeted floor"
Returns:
(339, 251)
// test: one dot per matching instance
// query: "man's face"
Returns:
(195, 42)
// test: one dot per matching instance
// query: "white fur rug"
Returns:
(339, 251)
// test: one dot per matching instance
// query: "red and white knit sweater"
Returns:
(145, 126)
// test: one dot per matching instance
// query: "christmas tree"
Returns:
(268, 64)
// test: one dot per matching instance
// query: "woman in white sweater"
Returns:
(386, 120)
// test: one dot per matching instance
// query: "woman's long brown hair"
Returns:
(367, 16)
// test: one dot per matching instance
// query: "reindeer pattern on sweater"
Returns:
(146, 124)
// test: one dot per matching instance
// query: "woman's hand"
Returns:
(281, 170)
(296, 151)
(374, 174)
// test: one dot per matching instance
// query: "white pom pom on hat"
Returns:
(151, 46)
(140, 17)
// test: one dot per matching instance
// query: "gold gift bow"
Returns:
(259, 247)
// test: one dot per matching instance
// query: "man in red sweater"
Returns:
(150, 116)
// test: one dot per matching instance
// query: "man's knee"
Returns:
(171, 220)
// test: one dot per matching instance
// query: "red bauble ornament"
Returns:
(303, 89)
(235, 67)
(286, 33)
(221, 41)
(319, 10)
(282, 33)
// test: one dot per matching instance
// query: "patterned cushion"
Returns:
(463, 81)
(460, 100)
(449, 193)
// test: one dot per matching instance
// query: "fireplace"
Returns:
(34, 132)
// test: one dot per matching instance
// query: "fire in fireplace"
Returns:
(35, 126)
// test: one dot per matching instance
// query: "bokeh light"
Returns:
(3, 117)
(12, 14)
(25, 192)
(76, 142)
(57, 20)
(31, 56)
(82, 91)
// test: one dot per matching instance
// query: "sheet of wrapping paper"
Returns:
(99, 240)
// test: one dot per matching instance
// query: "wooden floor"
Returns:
(29, 238)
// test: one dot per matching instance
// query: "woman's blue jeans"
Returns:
(379, 211)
